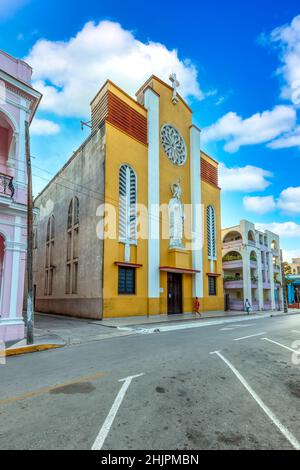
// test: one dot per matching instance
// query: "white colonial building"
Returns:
(251, 268)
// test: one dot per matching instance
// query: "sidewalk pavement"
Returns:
(54, 331)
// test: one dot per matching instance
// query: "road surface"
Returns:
(234, 386)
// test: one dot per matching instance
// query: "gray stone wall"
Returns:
(82, 176)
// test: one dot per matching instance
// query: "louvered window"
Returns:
(211, 232)
(127, 205)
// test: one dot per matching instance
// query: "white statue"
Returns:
(176, 216)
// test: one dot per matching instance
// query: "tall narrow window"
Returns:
(211, 232)
(49, 264)
(127, 205)
(212, 285)
(72, 247)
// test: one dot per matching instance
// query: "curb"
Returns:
(31, 349)
(203, 323)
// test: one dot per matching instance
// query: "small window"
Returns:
(212, 285)
(126, 281)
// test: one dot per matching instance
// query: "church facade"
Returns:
(131, 225)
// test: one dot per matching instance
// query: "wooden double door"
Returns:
(174, 293)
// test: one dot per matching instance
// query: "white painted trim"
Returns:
(151, 102)
(197, 223)
(21, 162)
(11, 321)
(11, 118)
(15, 272)
(18, 84)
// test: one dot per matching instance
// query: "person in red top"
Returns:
(197, 306)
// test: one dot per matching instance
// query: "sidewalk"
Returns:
(161, 320)
(55, 331)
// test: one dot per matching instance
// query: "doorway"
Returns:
(174, 293)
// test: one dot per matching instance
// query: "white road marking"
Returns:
(100, 439)
(287, 434)
(236, 326)
(279, 344)
(250, 336)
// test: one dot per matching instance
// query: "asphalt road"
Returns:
(245, 396)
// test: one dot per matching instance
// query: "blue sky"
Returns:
(239, 68)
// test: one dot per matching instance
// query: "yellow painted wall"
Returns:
(211, 196)
(121, 148)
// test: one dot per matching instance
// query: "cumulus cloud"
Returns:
(259, 204)
(288, 255)
(44, 127)
(287, 38)
(288, 140)
(69, 73)
(258, 128)
(245, 179)
(289, 200)
(283, 229)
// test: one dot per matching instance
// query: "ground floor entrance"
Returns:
(174, 293)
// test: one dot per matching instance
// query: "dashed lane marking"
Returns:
(250, 336)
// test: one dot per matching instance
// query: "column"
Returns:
(151, 102)
(259, 281)
(15, 248)
(197, 242)
(272, 283)
(246, 275)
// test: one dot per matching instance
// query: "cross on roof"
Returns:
(175, 85)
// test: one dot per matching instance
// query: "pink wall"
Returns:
(15, 67)
(13, 262)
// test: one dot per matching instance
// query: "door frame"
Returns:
(179, 277)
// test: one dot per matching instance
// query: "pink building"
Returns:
(18, 103)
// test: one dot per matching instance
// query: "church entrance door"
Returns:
(174, 293)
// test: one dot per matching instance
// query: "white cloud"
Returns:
(259, 128)
(289, 200)
(259, 204)
(283, 229)
(69, 73)
(9, 7)
(288, 255)
(44, 127)
(247, 178)
(287, 38)
(290, 139)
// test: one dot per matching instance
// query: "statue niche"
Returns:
(176, 215)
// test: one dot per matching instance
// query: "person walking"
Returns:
(197, 306)
(247, 306)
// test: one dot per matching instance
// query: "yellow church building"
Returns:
(131, 225)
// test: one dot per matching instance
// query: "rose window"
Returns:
(173, 144)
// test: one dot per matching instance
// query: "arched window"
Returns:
(211, 232)
(72, 247)
(49, 264)
(127, 205)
